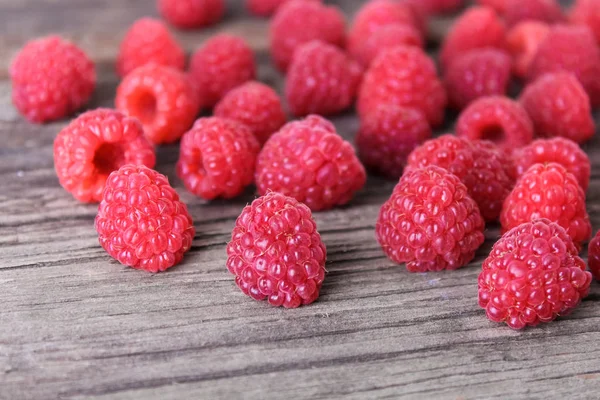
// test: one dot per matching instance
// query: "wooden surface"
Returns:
(76, 324)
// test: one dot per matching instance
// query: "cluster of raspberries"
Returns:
(516, 161)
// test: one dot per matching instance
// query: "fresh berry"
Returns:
(149, 41)
(387, 136)
(257, 106)
(386, 37)
(141, 222)
(435, 7)
(533, 274)
(548, 191)
(51, 78)
(321, 79)
(190, 14)
(95, 144)
(523, 41)
(594, 256)
(300, 22)
(217, 158)
(276, 252)
(430, 222)
(570, 49)
(587, 12)
(476, 28)
(559, 106)
(478, 73)
(161, 98)
(407, 77)
(483, 169)
(266, 8)
(559, 150)
(498, 119)
(548, 11)
(309, 161)
(498, 5)
(224, 62)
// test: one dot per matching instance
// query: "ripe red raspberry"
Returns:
(321, 79)
(476, 28)
(387, 135)
(141, 222)
(430, 222)
(276, 252)
(266, 8)
(587, 12)
(149, 41)
(407, 77)
(217, 158)
(386, 37)
(523, 41)
(559, 106)
(189, 14)
(570, 49)
(498, 119)
(478, 73)
(95, 144)
(435, 7)
(161, 98)
(309, 161)
(594, 256)
(559, 150)
(51, 78)
(548, 191)
(299, 22)
(548, 11)
(498, 5)
(533, 274)
(257, 106)
(221, 64)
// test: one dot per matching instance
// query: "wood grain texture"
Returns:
(76, 324)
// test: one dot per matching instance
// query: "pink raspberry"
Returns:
(498, 5)
(386, 37)
(587, 12)
(594, 256)
(435, 7)
(523, 41)
(190, 14)
(266, 8)
(548, 11)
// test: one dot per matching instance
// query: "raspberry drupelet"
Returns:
(141, 222)
(587, 12)
(430, 222)
(532, 275)
(407, 77)
(257, 106)
(548, 191)
(266, 8)
(548, 11)
(276, 252)
(217, 158)
(309, 161)
(594, 256)
(51, 78)
(222, 63)
(387, 37)
(190, 14)
(321, 79)
(299, 22)
(149, 41)
(95, 144)
(523, 41)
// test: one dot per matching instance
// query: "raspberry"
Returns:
(482, 167)
(387, 136)
(548, 11)
(386, 37)
(434, 7)
(498, 119)
(407, 77)
(498, 5)
(533, 274)
(95, 144)
(559, 150)
(300, 22)
(276, 252)
(559, 106)
(478, 73)
(570, 49)
(476, 28)
(51, 78)
(217, 158)
(587, 12)
(309, 161)
(255, 105)
(321, 79)
(149, 41)
(141, 222)
(548, 191)
(266, 8)
(523, 41)
(161, 98)
(221, 64)
(430, 222)
(189, 14)
(594, 256)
